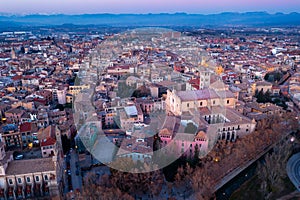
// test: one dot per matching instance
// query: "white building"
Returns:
(204, 79)
(61, 96)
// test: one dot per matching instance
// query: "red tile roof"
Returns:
(49, 141)
(25, 127)
(18, 77)
(195, 83)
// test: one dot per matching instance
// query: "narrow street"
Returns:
(76, 177)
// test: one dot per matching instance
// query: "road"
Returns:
(230, 175)
(293, 170)
(65, 176)
(76, 179)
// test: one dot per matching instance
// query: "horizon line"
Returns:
(154, 13)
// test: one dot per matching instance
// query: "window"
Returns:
(19, 180)
(188, 105)
(28, 179)
(46, 178)
(247, 130)
(227, 101)
(37, 178)
(214, 102)
(201, 103)
(10, 181)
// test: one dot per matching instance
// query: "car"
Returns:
(36, 141)
(69, 172)
(19, 157)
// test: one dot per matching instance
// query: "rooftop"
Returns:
(131, 111)
(47, 142)
(18, 167)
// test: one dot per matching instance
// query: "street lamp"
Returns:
(292, 139)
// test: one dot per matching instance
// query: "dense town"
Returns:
(98, 105)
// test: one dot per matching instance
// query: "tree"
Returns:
(273, 170)
(196, 159)
(142, 91)
(260, 97)
(190, 128)
(100, 188)
(268, 97)
(202, 184)
(136, 182)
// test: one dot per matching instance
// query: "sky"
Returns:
(146, 6)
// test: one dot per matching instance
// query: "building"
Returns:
(181, 142)
(183, 101)
(56, 116)
(47, 147)
(11, 136)
(136, 149)
(118, 70)
(231, 124)
(263, 86)
(31, 178)
(27, 132)
(75, 89)
(61, 96)
(204, 79)
(69, 98)
(131, 115)
(14, 115)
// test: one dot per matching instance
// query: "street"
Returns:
(75, 177)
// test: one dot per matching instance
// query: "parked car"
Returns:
(19, 157)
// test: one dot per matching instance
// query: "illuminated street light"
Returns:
(292, 139)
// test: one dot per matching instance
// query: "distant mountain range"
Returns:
(162, 19)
